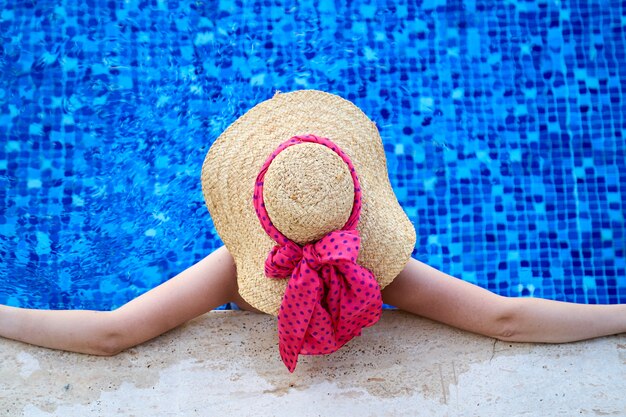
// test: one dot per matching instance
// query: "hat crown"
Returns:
(308, 192)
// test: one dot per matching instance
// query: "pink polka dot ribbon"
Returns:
(329, 297)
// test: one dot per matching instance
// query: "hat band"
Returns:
(329, 297)
(259, 205)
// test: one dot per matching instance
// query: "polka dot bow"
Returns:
(329, 297)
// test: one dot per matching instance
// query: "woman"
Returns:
(418, 289)
(337, 241)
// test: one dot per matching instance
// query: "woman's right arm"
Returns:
(200, 288)
(75, 330)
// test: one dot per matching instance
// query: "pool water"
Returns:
(503, 124)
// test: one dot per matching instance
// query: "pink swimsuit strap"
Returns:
(329, 297)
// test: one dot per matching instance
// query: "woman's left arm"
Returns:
(425, 291)
(198, 289)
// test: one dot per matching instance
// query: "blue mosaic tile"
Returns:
(503, 125)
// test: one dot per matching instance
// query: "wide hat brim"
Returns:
(233, 163)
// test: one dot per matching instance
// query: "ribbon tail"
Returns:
(290, 363)
(289, 352)
(301, 296)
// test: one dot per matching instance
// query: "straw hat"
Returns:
(308, 190)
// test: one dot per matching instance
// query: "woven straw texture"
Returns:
(308, 192)
(235, 158)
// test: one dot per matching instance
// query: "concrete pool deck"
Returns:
(227, 363)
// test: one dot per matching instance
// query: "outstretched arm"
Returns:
(425, 291)
(200, 288)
